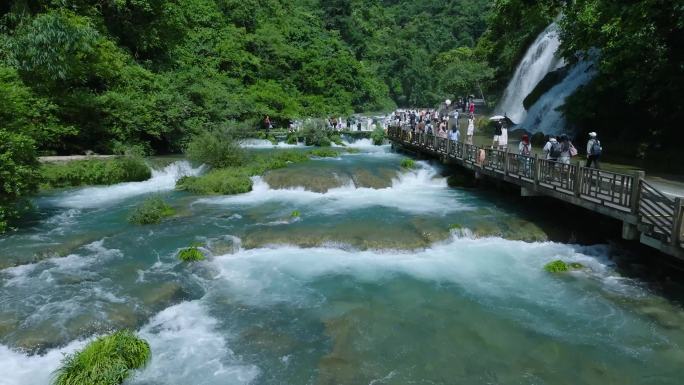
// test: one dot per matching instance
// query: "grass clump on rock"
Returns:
(191, 254)
(94, 172)
(378, 136)
(559, 266)
(108, 360)
(324, 153)
(151, 212)
(408, 163)
(237, 180)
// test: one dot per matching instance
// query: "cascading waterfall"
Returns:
(545, 115)
(539, 60)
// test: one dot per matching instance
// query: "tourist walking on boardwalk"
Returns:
(552, 149)
(503, 137)
(525, 147)
(594, 151)
(497, 134)
(471, 130)
(472, 108)
(454, 134)
(567, 150)
(525, 151)
(267, 123)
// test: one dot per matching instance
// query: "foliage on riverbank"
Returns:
(151, 211)
(19, 173)
(108, 360)
(94, 172)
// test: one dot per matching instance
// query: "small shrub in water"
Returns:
(215, 148)
(151, 212)
(352, 150)
(408, 163)
(191, 254)
(378, 136)
(557, 266)
(337, 139)
(324, 153)
(295, 214)
(455, 226)
(108, 360)
(291, 139)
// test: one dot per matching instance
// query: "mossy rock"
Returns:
(108, 360)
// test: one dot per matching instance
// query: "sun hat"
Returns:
(592, 134)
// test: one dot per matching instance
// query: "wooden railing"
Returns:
(659, 216)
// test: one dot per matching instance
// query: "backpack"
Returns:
(596, 148)
(556, 150)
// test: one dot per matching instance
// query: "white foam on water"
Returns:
(187, 349)
(19, 369)
(366, 145)
(94, 197)
(499, 274)
(263, 143)
(416, 191)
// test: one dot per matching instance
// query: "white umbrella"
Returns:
(497, 117)
(448, 102)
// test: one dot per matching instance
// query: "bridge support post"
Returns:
(677, 222)
(630, 232)
(636, 191)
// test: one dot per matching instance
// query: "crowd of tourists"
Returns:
(445, 123)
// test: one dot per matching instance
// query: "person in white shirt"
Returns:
(471, 131)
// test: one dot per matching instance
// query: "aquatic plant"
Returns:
(455, 226)
(108, 360)
(351, 150)
(324, 153)
(191, 254)
(295, 214)
(151, 211)
(94, 172)
(408, 163)
(378, 136)
(291, 139)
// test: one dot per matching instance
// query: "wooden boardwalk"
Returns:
(647, 215)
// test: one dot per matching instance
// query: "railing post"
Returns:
(448, 146)
(578, 180)
(506, 162)
(537, 169)
(635, 195)
(677, 222)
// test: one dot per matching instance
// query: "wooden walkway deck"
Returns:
(647, 214)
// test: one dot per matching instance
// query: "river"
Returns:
(387, 276)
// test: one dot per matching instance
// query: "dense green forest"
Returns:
(115, 75)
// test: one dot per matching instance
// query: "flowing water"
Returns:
(540, 59)
(368, 285)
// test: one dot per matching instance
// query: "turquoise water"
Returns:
(367, 286)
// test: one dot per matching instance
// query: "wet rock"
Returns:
(161, 296)
(312, 180)
(263, 339)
